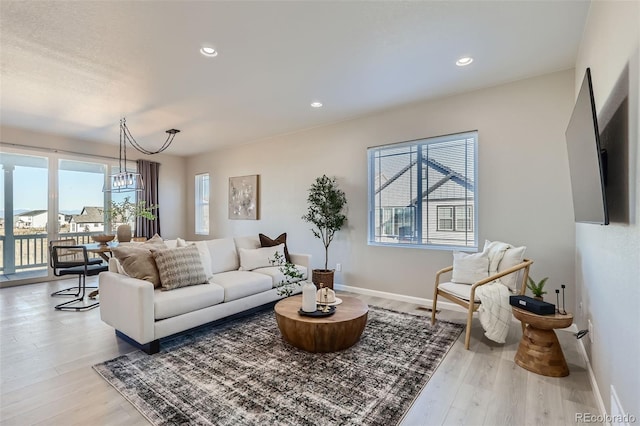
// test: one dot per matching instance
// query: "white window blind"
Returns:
(202, 204)
(423, 193)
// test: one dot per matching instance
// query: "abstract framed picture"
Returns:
(243, 197)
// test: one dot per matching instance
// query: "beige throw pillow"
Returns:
(469, 268)
(251, 259)
(180, 267)
(137, 261)
(511, 257)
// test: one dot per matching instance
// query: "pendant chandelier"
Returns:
(125, 180)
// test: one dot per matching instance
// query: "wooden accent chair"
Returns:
(465, 294)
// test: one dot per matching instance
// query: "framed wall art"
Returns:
(243, 197)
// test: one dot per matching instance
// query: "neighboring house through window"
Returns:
(423, 193)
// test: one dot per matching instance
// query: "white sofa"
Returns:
(142, 315)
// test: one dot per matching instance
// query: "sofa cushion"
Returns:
(277, 276)
(137, 260)
(171, 243)
(224, 256)
(203, 249)
(247, 242)
(179, 267)
(280, 239)
(167, 304)
(239, 284)
(251, 259)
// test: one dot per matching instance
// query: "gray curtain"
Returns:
(150, 172)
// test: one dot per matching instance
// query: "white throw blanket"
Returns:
(494, 311)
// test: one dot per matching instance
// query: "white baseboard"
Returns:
(573, 328)
(427, 303)
(594, 384)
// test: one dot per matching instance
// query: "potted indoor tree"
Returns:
(124, 212)
(326, 204)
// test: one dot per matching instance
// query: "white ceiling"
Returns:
(75, 67)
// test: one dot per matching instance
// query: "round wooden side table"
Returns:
(539, 349)
(326, 334)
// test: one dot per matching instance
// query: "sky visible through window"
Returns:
(77, 190)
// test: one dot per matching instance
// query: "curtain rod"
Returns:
(62, 151)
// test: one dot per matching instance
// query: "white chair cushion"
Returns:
(224, 256)
(251, 259)
(277, 276)
(469, 268)
(167, 304)
(463, 291)
(239, 284)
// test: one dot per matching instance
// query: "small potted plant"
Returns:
(124, 212)
(537, 288)
(326, 204)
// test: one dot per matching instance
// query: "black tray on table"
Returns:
(318, 313)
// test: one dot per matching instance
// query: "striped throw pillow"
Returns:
(180, 267)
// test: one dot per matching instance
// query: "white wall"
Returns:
(608, 257)
(172, 170)
(524, 192)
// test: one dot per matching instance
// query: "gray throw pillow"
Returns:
(180, 267)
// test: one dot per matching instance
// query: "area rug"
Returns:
(243, 373)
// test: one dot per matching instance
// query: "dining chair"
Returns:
(66, 258)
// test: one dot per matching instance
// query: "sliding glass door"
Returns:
(25, 216)
(48, 196)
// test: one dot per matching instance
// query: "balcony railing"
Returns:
(31, 251)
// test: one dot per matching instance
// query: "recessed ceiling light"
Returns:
(316, 104)
(464, 61)
(208, 51)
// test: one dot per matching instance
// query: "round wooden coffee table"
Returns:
(327, 334)
(539, 350)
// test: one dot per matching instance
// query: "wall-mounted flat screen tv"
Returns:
(587, 160)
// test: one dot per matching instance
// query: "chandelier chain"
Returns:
(129, 137)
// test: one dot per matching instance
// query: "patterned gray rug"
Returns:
(243, 373)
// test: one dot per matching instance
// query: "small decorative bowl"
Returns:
(102, 239)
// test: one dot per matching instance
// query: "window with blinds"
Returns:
(423, 193)
(202, 204)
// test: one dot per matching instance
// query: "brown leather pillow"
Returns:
(281, 239)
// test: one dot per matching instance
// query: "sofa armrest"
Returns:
(302, 260)
(113, 265)
(126, 304)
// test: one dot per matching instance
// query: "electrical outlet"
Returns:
(590, 328)
(338, 267)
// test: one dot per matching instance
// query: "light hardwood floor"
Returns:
(46, 376)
